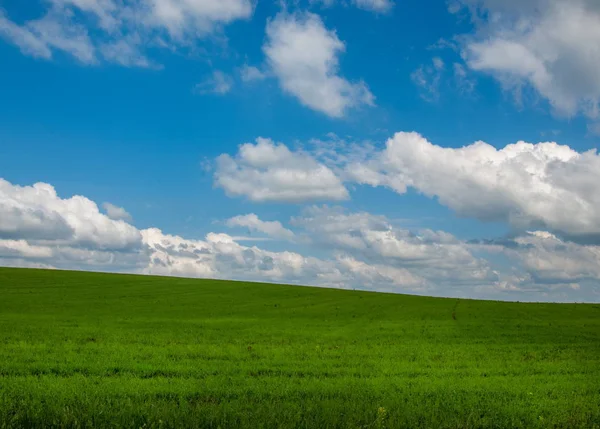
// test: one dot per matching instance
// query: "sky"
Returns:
(444, 149)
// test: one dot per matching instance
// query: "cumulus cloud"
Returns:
(117, 31)
(435, 256)
(365, 251)
(542, 185)
(269, 171)
(175, 256)
(22, 249)
(271, 228)
(116, 212)
(219, 256)
(38, 226)
(552, 260)
(543, 265)
(552, 46)
(381, 277)
(303, 54)
(40, 229)
(182, 17)
(38, 213)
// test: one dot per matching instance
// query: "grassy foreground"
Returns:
(101, 350)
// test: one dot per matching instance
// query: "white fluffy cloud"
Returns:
(193, 17)
(542, 185)
(38, 213)
(380, 277)
(271, 228)
(543, 266)
(40, 229)
(219, 256)
(267, 171)
(175, 256)
(552, 46)
(553, 260)
(435, 257)
(303, 55)
(117, 31)
(22, 249)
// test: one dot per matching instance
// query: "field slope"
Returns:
(100, 350)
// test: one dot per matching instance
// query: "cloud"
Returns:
(435, 257)
(118, 31)
(381, 6)
(303, 54)
(28, 42)
(378, 6)
(362, 250)
(542, 185)
(251, 74)
(40, 229)
(253, 223)
(551, 46)
(219, 256)
(552, 260)
(126, 52)
(55, 31)
(175, 256)
(269, 171)
(430, 77)
(182, 18)
(381, 277)
(38, 213)
(116, 213)
(594, 128)
(427, 78)
(463, 82)
(219, 83)
(544, 265)
(21, 248)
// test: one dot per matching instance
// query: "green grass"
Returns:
(101, 350)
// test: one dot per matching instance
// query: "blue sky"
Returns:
(137, 103)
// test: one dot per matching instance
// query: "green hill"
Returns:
(101, 350)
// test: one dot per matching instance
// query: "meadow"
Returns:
(81, 350)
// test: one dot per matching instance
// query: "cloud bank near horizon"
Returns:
(543, 192)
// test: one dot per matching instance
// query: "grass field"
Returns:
(100, 350)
